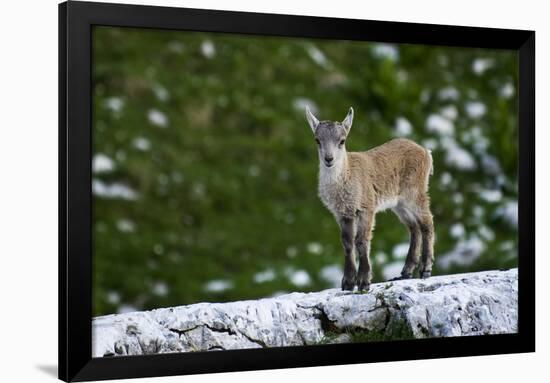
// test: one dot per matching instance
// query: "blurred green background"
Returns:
(205, 169)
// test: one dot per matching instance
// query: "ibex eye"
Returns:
(317, 141)
(342, 142)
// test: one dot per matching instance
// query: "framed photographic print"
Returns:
(289, 191)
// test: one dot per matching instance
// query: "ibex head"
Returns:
(330, 137)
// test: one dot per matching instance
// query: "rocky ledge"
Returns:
(451, 305)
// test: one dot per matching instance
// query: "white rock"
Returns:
(451, 305)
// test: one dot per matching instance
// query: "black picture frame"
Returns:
(76, 20)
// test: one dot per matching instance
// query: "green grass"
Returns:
(228, 188)
(397, 329)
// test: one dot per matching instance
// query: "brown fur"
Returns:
(357, 185)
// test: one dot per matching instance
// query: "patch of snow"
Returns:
(465, 253)
(141, 143)
(448, 93)
(113, 297)
(380, 257)
(509, 213)
(332, 274)
(457, 230)
(317, 55)
(291, 251)
(507, 90)
(102, 164)
(481, 65)
(114, 104)
(402, 127)
(456, 156)
(457, 198)
(208, 49)
(264, 276)
(157, 118)
(125, 225)
(392, 270)
(218, 286)
(440, 125)
(161, 93)
(490, 164)
(161, 289)
(430, 144)
(507, 246)
(475, 109)
(315, 248)
(475, 137)
(486, 233)
(299, 278)
(386, 51)
(490, 195)
(300, 103)
(446, 179)
(478, 211)
(114, 190)
(449, 112)
(400, 250)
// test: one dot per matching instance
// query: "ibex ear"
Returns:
(312, 120)
(348, 120)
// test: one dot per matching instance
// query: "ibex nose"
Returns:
(328, 159)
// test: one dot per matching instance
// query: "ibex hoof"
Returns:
(400, 278)
(348, 284)
(425, 274)
(363, 286)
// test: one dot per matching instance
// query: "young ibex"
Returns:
(355, 186)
